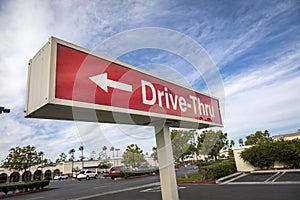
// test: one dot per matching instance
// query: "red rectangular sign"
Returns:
(79, 76)
(74, 81)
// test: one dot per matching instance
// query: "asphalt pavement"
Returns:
(256, 186)
(211, 192)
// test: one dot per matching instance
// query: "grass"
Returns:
(191, 178)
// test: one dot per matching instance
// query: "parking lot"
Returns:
(258, 186)
(272, 177)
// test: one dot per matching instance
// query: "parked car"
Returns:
(60, 177)
(114, 172)
(87, 174)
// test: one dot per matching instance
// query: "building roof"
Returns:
(289, 135)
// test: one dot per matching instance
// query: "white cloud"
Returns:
(95, 136)
(257, 76)
(264, 99)
(236, 32)
(19, 40)
(26, 26)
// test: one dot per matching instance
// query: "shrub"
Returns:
(217, 170)
(127, 174)
(5, 189)
(288, 152)
(203, 163)
(20, 187)
(44, 183)
(264, 154)
(260, 155)
(34, 185)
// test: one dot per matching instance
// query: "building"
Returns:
(51, 170)
(289, 136)
(60, 168)
(243, 166)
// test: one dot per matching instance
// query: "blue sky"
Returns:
(255, 46)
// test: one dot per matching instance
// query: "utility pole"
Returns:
(117, 156)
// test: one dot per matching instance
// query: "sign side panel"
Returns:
(38, 80)
(52, 69)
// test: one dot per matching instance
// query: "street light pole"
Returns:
(117, 156)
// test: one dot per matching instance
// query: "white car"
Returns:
(86, 175)
(60, 177)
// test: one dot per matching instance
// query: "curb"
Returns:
(134, 177)
(23, 193)
(275, 170)
(198, 183)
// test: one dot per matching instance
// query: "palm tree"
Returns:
(62, 157)
(81, 148)
(72, 151)
(104, 148)
(113, 150)
(154, 154)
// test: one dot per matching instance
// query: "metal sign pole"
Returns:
(166, 163)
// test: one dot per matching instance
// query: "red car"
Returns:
(114, 172)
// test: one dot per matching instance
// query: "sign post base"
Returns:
(166, 163)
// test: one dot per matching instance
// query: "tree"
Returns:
(22, 158)
(182, 146)
(72, 151)
(81, 148)
(93, 155)
(104, 148)
(241, 142)
(62, 157)
(154, 154)
(258, 137)
(47, 162)
(133, 156)
(104, 164)
(212, 142)
(230, 151)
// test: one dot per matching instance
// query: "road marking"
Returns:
(158, 189)
(275, 179)
(99, 187)
(268, 181)
(153, 189)
(265, 183)
(272, 177)
(116, 191)
(233, 179)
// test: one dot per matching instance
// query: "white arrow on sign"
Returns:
(103, 82)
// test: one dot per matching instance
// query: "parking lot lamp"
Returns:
(4, 110)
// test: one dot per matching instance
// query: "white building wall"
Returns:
(241, 165)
